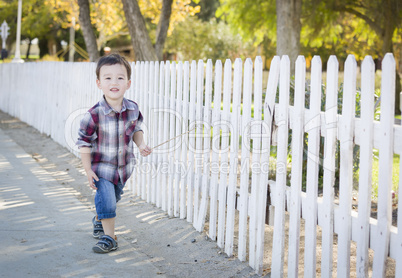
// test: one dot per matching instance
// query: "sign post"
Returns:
(17, 56)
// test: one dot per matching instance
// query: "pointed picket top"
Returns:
(331, 112)
(384, 212)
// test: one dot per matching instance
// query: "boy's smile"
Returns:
(113, 82)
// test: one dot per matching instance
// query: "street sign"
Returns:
(4, 33)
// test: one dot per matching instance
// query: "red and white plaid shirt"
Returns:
(110, 135)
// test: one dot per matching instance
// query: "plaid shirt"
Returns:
(110, 134)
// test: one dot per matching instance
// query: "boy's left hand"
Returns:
(145, 150)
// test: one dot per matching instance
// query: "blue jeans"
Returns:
(107, 195)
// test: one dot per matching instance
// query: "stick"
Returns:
(172, 138)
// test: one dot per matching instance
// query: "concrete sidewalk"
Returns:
(45, 230)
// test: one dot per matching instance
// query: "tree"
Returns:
(87, 30)
(383, 17)
(288, 13)
(263, 21)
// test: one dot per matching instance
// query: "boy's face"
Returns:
(113, 82)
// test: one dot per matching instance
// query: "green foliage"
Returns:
(194, 39)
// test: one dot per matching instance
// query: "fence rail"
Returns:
(216, 175)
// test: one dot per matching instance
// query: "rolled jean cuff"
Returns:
(106, 216)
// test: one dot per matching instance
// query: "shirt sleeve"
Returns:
(87, 132)
(139, 123)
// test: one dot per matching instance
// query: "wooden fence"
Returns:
(216, 175)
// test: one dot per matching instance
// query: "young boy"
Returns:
(105, 139)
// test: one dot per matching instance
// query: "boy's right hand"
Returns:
(92, 177)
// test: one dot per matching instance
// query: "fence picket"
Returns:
(245, 159)
(148, 136)
(162, 127)
(282, 151)
(144, 98)
(178, 141)
(313, 160)
(384, 210)
(185, 146)
(172, 125)
(227, 86)
(198, 139)
(215, 149)
(234, 157)
(346, 131)
(207, 148)
(137, 95)
(366, 165)
(297, 168)
(331, 113)
(256, 172)
(166, 135)
(155, 125)
(190, 177)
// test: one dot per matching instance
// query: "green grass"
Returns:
(375, 172)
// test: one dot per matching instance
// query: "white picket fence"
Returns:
(210, 176)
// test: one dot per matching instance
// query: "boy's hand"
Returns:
(92, 177)
(144, 150)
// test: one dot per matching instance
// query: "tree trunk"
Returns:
(288, 13)
(163, 26)
(143, 49)
(87, 30)
(29, 49)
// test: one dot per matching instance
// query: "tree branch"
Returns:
(367, 19)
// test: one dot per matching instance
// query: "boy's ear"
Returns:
(98, 83)
(128, 84)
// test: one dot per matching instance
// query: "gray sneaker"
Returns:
(105, 244)
(98, 228)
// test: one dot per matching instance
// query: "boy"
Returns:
(105, 139)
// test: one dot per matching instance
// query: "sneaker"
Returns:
(105, 244)
(98, 229)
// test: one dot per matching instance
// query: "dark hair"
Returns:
(113, 59)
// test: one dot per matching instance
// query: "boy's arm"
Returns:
(138, 139)
(86, 162)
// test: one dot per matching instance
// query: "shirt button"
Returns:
(121, 135)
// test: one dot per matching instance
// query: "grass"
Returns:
(375, 172)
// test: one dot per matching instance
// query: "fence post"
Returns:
(278, 249)
(384, 209)
(366, 165)
(297, 167)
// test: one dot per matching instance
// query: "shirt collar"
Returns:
(108, 109)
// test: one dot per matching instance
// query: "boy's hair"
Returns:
(113, 59)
